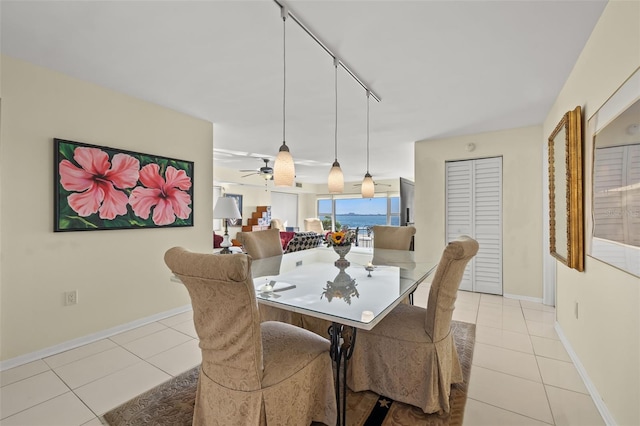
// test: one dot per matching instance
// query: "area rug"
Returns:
(171, 403)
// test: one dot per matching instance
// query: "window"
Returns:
(325, 209)
(359, 212)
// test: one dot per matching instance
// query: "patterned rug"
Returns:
(171, 403)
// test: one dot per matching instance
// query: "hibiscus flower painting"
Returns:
(100, 188)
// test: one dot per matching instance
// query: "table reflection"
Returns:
(342, 287)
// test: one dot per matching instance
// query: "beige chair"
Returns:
(277, 224)
(251, 373)
(393, 237)
(259, 244)
(266, 244)
(410, 355)
(313, 224)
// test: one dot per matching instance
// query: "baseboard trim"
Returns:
(525, 298)
(593, 392)
(80, 341)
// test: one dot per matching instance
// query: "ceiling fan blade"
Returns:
(375, 184)
(250, 174)
(249, 170)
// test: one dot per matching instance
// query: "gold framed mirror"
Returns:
(566, 218)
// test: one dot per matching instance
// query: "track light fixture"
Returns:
(284, 169)
(336, 178)
(368, 186)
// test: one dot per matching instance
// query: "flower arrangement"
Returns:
(343, 237)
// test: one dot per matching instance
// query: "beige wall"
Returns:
(606, 334)
(307, 207)
(120, 275)
(521, 195)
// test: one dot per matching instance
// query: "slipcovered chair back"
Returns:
(277, 224)
(252, 373)
(261, 244)
(313, 224)
(392, 237)
(444, 287)
(410, 355)
(225, 314)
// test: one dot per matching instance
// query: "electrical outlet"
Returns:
(71, 297)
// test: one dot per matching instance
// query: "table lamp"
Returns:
(226, 208)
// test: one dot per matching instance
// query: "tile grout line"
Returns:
(544, 388)
(511, 411)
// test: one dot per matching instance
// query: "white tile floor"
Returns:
(521, 373)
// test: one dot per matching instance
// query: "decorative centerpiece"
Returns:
(341, 242)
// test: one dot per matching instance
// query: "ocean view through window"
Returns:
(360, 212)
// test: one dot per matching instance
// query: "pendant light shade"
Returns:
(336, 178)
(368, 186)
(284, 170)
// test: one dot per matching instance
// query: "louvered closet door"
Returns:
(607, 197)
(459, 208)
(474, 208)
(616, 195)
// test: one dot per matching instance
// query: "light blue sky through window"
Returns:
(361, 206)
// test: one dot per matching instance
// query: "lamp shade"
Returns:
(368, 187)
(336, 179)
(226, 208)
(283, 169)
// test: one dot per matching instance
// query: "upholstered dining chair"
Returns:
(313, 224)
(259, 244)
(410, 355)
(392, 237)
(252, 373)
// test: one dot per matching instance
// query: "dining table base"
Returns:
(343, 339)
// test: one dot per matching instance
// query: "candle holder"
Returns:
(369, 268)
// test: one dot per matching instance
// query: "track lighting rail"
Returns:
(284, 7)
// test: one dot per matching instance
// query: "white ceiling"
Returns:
(442, 68)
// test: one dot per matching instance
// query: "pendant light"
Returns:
(336, 178)
(283, 168)
(368, 187)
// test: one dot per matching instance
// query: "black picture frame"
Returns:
(103, 188)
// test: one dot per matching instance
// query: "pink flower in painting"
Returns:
(97, 182)
(167, 197)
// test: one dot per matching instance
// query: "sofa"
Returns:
(297, 241)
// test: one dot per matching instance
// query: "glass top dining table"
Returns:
(358, 292)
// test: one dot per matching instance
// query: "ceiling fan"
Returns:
(264, 172)
(374, 183)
